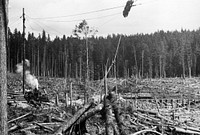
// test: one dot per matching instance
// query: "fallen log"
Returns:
(156, 121)
(147, 111)
(138, 96)
(156, 114)
(66, 125)
(14, 128)
(18, 118)
(91, 112)
(186, 130)
(52, 123)
(44, 127)
(193, 129)
(146, 130)
(80, 127)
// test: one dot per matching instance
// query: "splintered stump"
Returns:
(109, 119)
(113, 101)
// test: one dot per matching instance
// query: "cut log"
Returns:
(66, 125)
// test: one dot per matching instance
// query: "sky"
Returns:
(59, 17)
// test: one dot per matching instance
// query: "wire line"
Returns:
(86, 18)
(14, 22)
(48, 27)
(90, 12)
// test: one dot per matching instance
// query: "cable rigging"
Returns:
(37, 21)
(85, 18)
(72, 15)
(47, 27)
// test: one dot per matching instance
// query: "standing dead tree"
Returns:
(84, 30)
(3, 68)
(108, 108)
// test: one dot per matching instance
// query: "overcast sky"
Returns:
(59, 17)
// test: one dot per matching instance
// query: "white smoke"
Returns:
(30, 80)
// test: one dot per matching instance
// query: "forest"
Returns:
(159, 54)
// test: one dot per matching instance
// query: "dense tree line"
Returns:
(160, 54)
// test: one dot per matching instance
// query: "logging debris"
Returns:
(172, 108)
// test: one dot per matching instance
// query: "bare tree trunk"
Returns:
(3, 69)
(87, 63)
(70, 70)
(163, 69)
(126, 69)
(66, 65)
(183, 41)
(135, 57)
(195, 65)
(115, 74)
(190, 71)
(160, 65)
(38, 61)
(80, 74)
(33, 60)
(44, 61)
(8, 57)
(108, 108)
(156, 70)
(76, 70)
(150, 67)
(52, 64)
(142, 63)
(189, 60)
(70, 87)
(183, 65)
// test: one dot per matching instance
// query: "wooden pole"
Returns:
(3, 68)
(23, 16)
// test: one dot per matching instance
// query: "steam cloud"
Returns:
(30, 80)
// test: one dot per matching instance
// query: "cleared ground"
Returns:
(164, 105)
